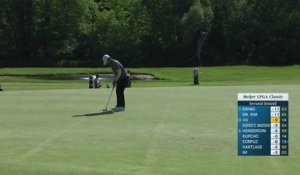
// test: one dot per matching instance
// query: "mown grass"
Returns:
(164, 131)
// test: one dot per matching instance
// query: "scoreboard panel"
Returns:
(263, 124)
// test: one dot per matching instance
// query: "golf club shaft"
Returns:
(109, 97)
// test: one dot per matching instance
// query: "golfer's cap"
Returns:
(105, 58)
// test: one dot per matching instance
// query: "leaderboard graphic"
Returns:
(263, 124)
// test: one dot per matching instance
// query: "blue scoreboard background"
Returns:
(263, 124)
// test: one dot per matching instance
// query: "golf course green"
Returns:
(60, 129)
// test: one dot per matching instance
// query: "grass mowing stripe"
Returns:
(151, 156)
(19, 168)
(42, 145)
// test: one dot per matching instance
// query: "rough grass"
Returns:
(15, 78)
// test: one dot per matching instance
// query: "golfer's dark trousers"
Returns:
(121, 84)
(196, 80)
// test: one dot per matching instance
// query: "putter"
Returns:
(104, 110)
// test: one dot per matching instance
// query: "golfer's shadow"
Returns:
(94, 114)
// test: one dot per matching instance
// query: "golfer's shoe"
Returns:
(118, 109)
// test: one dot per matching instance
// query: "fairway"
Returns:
(213, 87)
(164, 131)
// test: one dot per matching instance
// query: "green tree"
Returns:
(57, 26)
(198, 18)
(149, 33)
(164, 44)
(224, 41)
(120, 27)
(196, 24)
(275, 29)
(16, 29)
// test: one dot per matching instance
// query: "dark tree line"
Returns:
(149, 32)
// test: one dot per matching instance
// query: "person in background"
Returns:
(96, 81)
(91, 83)
(196, 76)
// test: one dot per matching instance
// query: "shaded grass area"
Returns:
(14, 78)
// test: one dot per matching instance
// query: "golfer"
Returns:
(119, 80)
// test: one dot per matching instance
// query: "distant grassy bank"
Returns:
(32, 78)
